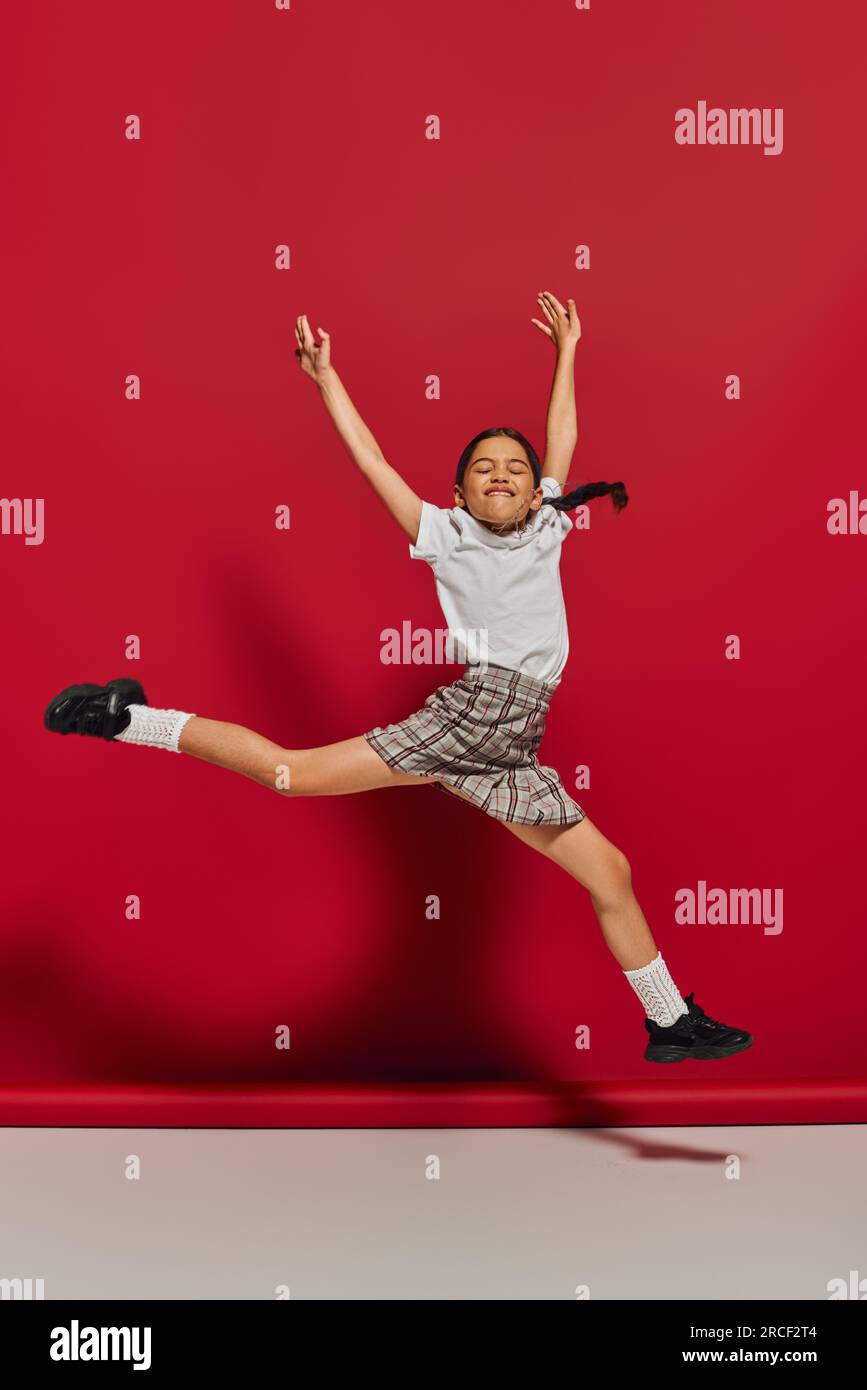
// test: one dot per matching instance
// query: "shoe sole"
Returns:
(667, 1053)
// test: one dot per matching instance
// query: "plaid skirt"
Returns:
(480, 734)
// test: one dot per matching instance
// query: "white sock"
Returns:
(657, 992)
(160, 728)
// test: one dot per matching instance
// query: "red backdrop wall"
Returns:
(305, 127)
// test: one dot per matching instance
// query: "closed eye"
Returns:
(515, 465)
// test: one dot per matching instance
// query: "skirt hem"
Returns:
(571, 818)
(377, 739)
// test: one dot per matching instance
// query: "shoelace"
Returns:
(698, 1015)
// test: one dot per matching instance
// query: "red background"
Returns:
(306, 127)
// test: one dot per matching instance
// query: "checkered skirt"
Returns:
(480, 734)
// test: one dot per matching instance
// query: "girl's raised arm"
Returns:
(564, 329)
(389, 486)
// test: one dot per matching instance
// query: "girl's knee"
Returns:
(622, 867)
(612, 880)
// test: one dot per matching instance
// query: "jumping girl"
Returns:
(495, 556)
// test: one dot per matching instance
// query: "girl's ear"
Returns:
(459, 497)
(537, 500)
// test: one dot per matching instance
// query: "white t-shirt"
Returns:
(500, 595)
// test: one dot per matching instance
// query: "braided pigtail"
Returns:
(580, 495)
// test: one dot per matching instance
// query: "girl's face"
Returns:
(498, 488)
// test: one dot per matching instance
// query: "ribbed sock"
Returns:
(159, 728)
(657, 992)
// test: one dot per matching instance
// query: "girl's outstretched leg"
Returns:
(334, 769)
(118, 712)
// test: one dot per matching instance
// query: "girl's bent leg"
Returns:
(600, 867)
(604, 871)
(335, 769)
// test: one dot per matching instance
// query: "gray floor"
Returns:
(513, 1214)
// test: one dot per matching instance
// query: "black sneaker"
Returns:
(696, 1035)
(98, 710)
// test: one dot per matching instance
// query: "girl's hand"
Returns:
(314, 358)
(563, 325)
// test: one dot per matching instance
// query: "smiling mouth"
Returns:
(499, 492)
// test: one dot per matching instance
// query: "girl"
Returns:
(495, 557)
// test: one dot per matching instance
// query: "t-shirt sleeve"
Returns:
(561, 522)
(436, 534)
